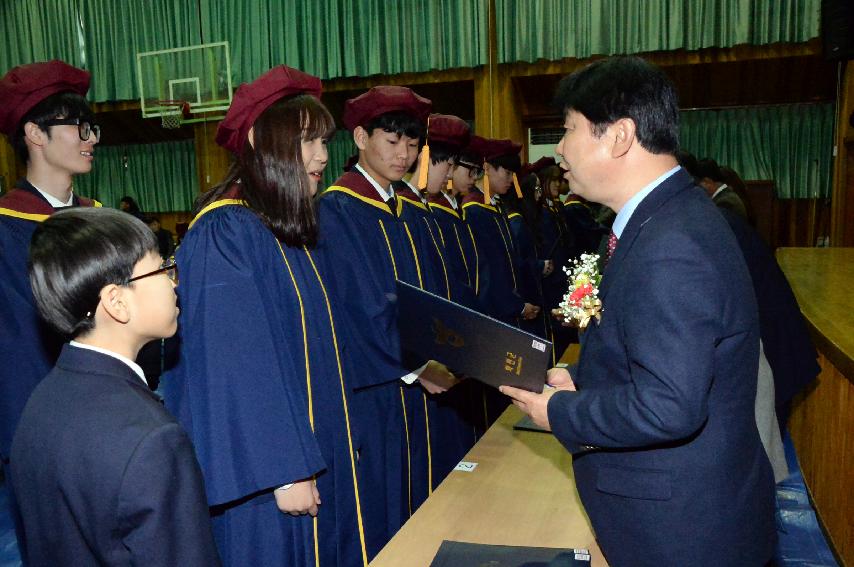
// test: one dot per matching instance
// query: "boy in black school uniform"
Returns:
(103, 474)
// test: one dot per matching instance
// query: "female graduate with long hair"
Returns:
(259, 385)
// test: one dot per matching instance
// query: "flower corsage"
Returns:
(581, 302)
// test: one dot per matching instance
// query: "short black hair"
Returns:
(59, 105)
(440, 152)
(469, 158)
(397, 122)
(625, 87)
(510, 162)
(74, 253)
(709, 168)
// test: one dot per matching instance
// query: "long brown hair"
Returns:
(272, 176)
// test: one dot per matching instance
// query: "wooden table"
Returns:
(823, 282)
(521, 493)
(822, 420)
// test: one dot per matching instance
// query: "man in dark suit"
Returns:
(659, 412)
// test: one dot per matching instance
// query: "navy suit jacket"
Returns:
(104, 475)
(667, 458)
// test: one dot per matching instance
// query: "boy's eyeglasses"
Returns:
(169, 267)
(84, 128)
(475, 172)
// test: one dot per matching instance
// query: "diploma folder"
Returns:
(470, 343)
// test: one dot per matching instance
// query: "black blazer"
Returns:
(666, 392)
(104, 475)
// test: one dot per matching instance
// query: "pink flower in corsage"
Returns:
(581, 302)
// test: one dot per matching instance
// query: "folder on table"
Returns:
(463, 554)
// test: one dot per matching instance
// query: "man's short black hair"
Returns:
(709, 168)
(470, 158)
(400, 123)
(625, 87)
(59, 105)
(440, 152)
(74, 253)
(511, 162)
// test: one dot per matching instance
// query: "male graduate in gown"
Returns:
(494, 258)
(453, 232)
(496, 279)
(659, 412)
(364, 247)
(450, 433)
(46, 119)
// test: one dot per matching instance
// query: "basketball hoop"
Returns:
(174, 113)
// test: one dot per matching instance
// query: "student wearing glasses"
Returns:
(103, 473)
(46, 119)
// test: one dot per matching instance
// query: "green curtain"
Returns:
(528, 30)
(159, 177)
(115, 32)
(102, 36)
(40, 30)
(792, 144)
(340, 147)
(343, 38)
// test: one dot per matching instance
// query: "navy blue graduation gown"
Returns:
(261, 388)
(496, 279)
(24, 337)
(529, 273)
(558, 245)
(457, 246)
(587, 233)
(363, 247)
(450, 429)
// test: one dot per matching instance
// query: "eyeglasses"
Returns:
(475, 172)
(169, 267)
(84, 128)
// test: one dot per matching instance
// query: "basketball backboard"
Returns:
(200, 75)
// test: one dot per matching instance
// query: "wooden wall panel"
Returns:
(822, 428)
(11, 169)
(212, 161)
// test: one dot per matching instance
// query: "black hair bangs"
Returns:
(400, 123)
(315, 119)
(510, 162)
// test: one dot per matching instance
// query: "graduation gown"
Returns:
(262, 391)
(529, 273)
(558, 243)
(458, 247)
(496, 280)
(451, 429)
(363, 247)
(587, 233)
(24, 337)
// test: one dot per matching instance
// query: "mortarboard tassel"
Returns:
(425, 159)
(487, 197)
(516, 185)
(422, 171)
(450, 184)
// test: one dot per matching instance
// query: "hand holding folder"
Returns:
(469, 342)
